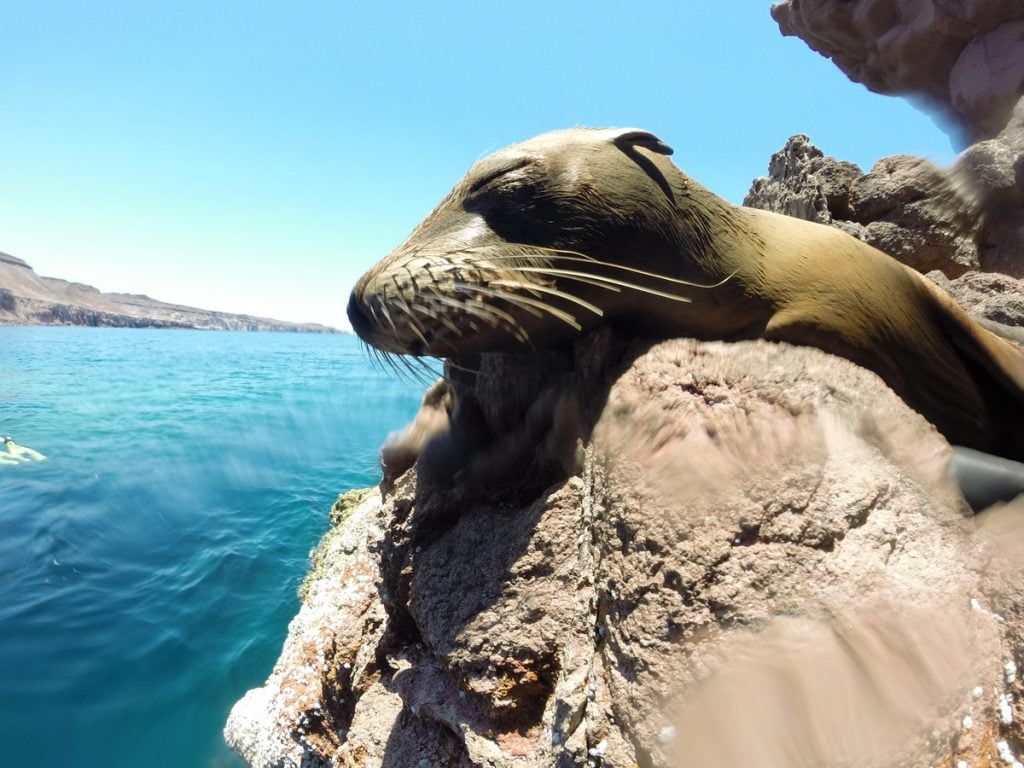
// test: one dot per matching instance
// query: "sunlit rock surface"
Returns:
(690, 554)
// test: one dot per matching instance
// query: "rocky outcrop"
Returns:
(632, 556)
(29, 299)
(956, 220)
(964, 58)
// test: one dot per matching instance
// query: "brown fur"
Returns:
(502, 265)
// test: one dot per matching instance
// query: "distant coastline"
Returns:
(27, 298)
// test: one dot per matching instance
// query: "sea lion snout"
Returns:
(531, 247)
(358, 317)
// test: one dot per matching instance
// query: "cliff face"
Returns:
(29, 299)
(686, 554)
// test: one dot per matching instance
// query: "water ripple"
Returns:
(148, 568)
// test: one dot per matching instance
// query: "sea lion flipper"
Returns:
(996, 355)
(993, 362)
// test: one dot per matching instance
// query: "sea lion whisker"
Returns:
(480, 290)
(391, 361)
(374, 354)
(610, 280)
(471, 309)
(525, 303)
(525, 246)
(369, 352)
(387, 316)
(552, 291)
(418, 369)
(386, 359)
(611, 265)
(441, 318)
(429, 311)
(406, 371)
(421, 362)
(644, 273)
(382, 360)
(597, 281)
(461, 272)
(496, 294)
(471, 371)
(413, 324)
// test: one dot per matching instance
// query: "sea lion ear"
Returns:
(634, 137)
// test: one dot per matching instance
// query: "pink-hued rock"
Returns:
(713, 554)
(965, 58)
(988, 77)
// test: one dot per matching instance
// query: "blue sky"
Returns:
(257, 157)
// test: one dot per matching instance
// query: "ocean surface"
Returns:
(148, 568)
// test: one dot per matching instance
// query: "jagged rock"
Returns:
(804, 183)
(682, 523)
(965, 58)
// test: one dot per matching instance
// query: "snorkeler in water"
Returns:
(12, 453)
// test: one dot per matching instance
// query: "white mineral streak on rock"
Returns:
(1005, 710)
(1007, 755)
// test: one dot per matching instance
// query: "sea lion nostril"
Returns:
(361, 323)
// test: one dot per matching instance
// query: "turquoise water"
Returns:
(148, 568)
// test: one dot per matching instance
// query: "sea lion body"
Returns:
(547, 238)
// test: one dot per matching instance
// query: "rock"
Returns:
(1006, 251)
(803, 182)
(989, 173)
(988, 77)
(894, 182)
(692, 517)
(965, 58)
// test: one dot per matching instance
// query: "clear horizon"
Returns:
(258, 162)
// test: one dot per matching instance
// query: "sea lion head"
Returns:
(538, 242)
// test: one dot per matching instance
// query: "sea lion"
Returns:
(551, 237)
